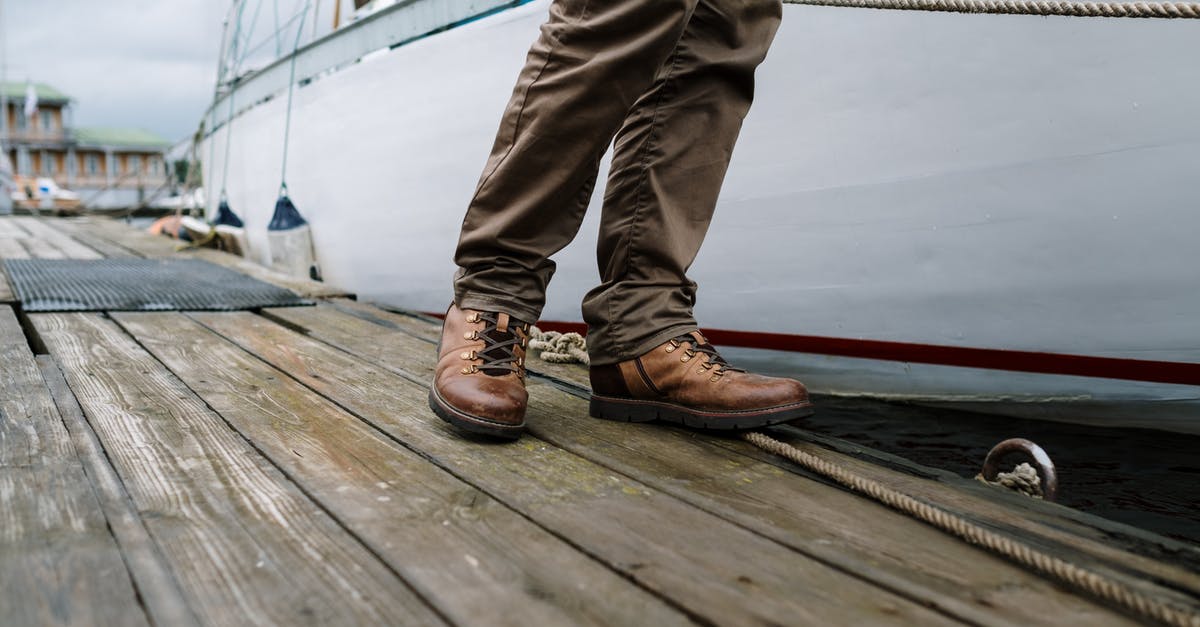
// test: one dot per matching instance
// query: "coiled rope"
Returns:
(1023, 479)
(1177, 10)
(1093, 583)
(559, 348)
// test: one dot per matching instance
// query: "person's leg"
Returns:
(648, 361)
(669, 162)
(590, 63)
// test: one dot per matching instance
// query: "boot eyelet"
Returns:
(473, 317)
(671, 349)
(714, 378)
(471, 335)
(685, 358)
(469, 370)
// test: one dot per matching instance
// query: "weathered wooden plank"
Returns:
(477, 560)
(77, 228)
(628, 524)
(42, 229)
(157, 588)
(1105, 542)
(836, 527)
(150, 245)
(10, 228)
(428, 328)
(243, 541)
(41, 249)
(11, 248)
(59, 565)
(7, 246)
(128, 236)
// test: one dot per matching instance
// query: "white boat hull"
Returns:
(994, 183)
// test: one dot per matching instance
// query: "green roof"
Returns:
(118, 138)
(45, 93)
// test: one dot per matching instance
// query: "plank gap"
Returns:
(463, 477)
(240, 536)
(860, 570)
(179, 344)
(32, 337)
(1045, 529)
(156, 586)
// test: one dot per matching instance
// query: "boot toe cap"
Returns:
(481, 398)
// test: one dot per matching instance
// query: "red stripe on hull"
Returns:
(987, 358)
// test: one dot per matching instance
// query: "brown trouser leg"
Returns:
(672, 80)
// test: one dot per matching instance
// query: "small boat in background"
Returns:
(42, 194)
(995, 212)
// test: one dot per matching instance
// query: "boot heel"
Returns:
(614, 409)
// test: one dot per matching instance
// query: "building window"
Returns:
(135, 163)
(92, 163)
(22, 123)
(47, 120)
(48, 165)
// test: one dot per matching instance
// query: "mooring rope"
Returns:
(1023, 479)
(1179, 10)
(1093, 583)
(572, 348)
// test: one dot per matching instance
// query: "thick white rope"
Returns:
(1093, 583)
(559, 348)
(1024, 479)
(1183, 10)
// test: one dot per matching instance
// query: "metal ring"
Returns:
(1045, 467)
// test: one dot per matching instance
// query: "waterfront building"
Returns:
(107, 167)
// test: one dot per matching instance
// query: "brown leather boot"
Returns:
(479, 383)
(685, 381)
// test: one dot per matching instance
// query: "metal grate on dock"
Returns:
(44, 285)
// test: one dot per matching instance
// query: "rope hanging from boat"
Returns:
(237, 31)
(1067, 8)
(287, 123)
(1080, 578)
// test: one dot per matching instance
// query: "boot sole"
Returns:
(631, 410)
(471, 423)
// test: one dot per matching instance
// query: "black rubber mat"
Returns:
(138, 285)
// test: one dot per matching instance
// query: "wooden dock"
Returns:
(282, 467)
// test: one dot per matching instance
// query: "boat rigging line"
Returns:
(287, 123)
(225, 214)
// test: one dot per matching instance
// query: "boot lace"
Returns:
(714, 362)
(499, 347)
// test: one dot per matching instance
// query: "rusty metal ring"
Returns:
(1045, 467)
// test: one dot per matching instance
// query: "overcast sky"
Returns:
(132, 63)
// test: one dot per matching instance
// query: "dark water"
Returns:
(1144, 478)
